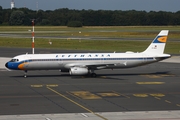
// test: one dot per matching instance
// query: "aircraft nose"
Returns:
(6, 64)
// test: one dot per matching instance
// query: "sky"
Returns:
(147, 5)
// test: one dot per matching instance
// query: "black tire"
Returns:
(93, 75)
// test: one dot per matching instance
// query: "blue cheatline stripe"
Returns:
(80, 59)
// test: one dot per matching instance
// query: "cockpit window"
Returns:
(14, 60)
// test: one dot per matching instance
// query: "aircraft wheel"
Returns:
(93, 75)
(25, 74)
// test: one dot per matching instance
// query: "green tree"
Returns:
(1, 14)
(74, 24)
(16, 18)
(65, 16)
(45, 22)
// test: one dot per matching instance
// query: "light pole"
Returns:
(33, 37)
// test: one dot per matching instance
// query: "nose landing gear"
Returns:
(25, 73)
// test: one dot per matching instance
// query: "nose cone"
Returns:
(12, 65)
(6, 65)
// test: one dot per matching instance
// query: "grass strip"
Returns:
(98, 45)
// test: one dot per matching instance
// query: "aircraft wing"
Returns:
(94, 66)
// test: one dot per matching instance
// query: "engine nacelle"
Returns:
(78, 71)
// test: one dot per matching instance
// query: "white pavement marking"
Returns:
(143, 115)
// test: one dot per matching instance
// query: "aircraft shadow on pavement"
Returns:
(136, 74)
(99, 76)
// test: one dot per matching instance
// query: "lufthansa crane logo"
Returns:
(162, 39)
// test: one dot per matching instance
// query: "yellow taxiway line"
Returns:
(76, 103)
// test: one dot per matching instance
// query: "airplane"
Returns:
(87, 63)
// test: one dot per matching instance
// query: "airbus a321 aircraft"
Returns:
(87, 63)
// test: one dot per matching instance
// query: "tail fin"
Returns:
(158, 44)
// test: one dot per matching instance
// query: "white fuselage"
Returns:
(95, 60)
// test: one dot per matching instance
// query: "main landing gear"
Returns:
(91, 73)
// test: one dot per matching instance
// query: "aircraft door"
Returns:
(102, 60)
(59, 60)
(144, 58)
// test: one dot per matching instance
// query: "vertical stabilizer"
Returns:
(158, 44)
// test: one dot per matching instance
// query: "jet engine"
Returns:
(78, 71)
